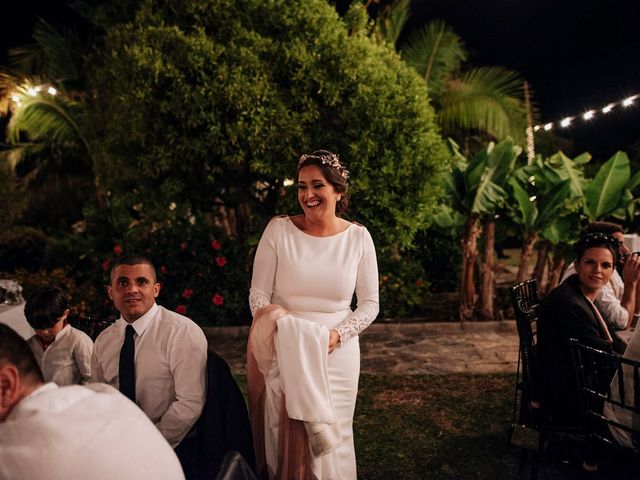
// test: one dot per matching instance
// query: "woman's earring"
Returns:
(339, 197)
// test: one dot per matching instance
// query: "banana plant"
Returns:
(609, 193)
(535, 213)
(475, 192)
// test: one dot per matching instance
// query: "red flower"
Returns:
(221, 261)
(117, 249)
(187, 293)
(181, 309)
(105, 265)
(216, 245)
(163, 270)
(183, 246)
(217, 300)
(419, 282)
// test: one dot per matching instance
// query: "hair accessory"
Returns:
(598, 239)
(330, 159)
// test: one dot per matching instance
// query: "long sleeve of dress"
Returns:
(264, 270)
(367, 295)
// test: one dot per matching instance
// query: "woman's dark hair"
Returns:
(597, 240)
(334, 171)
(45, 307)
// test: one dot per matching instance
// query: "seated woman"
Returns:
(569, 312)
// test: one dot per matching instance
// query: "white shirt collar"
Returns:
(141, 324)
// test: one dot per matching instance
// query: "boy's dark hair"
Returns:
(134, 260)
(15, 351)
(45, 307)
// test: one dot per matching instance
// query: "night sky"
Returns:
(576, 54)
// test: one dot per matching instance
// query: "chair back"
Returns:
(610, 396)
(526, 307)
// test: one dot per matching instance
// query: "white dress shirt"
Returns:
(608, 299)
(67, 361)
(82, 432)
(170, 364)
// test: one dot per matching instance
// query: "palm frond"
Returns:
(53, 55)
(391, 21)
(61, 51)
(42, 118)
(436, 53)
(489, 99)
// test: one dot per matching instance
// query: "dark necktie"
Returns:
(127, 370)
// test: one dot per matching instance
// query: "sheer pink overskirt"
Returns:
(294, 457)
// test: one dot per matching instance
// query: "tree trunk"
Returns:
(469, 254)
(541, 264)
(487, 273)
(555, 272)
(525, 256)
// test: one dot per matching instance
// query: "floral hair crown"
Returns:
(328, 158)
(598, 239)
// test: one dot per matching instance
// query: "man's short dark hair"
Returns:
(15, 351)
(134, 259)
(603, 227)
(44, 307)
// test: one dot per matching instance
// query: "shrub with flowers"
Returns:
(204, 274)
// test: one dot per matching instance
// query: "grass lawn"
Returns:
(435, 427)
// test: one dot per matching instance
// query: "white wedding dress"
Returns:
(314, 278)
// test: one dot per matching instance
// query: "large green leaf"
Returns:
(552, 201)
(561, 230)
(634, 181)
(565, 168)
(526, 208)
(500, 162)
(603, 192)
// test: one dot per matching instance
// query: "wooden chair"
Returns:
(610, 397)
(533, 423)
(526, 307)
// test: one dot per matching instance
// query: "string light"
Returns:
(589, 114)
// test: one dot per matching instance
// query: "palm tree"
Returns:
(41, 90)
(42, 93)
(486, 99)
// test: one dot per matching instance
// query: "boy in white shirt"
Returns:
(62, 351)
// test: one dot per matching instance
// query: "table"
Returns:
(13, 316)
(621, 339)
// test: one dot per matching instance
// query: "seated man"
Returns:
(72, 432)
(617, 300)
(154, 356)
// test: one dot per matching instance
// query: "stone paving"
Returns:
(411, 348)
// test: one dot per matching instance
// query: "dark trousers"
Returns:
(185, 452)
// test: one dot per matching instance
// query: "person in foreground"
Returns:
(569, 312)
(303, 355)
(72, 432)
(62, 351)
(167, 378)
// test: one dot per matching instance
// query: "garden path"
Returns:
(408, 348)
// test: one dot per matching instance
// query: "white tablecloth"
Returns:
(13, 315)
